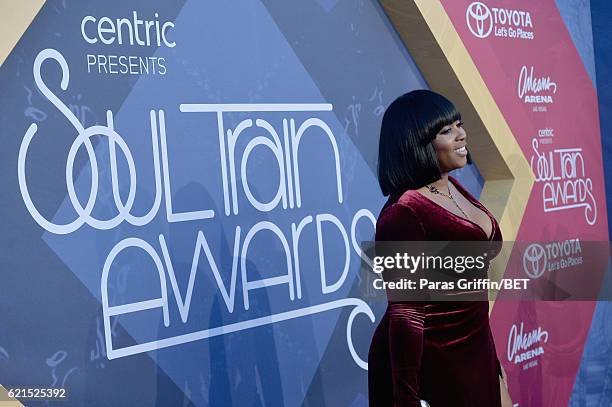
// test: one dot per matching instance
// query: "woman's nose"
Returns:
(461, 134)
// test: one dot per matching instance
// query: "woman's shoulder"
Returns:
(400, 219)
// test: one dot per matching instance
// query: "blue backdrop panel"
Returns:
(593, 386)
(185, 188)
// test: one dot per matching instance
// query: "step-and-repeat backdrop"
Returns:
(185, 185)
(528, 60)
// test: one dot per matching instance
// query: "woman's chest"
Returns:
(442, 224)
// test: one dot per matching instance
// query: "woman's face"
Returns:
(450, 145)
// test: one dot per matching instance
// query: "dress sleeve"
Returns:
(400, 223)
(399, 230)
(405, 352)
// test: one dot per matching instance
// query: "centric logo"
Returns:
(534, 260)
(479, 19)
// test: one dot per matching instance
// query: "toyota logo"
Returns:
(479, 19)
(534, 260)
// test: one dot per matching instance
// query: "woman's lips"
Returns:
(461, 151)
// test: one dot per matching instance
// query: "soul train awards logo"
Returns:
(561, 172)
(526, 347)
(502, 22)
(285, 147)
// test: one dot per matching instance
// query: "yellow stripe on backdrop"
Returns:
(431, 39)
(15, 18)
(6, 401)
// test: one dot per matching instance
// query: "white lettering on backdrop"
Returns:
(288, 195)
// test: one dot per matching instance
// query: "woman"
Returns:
(440, 352)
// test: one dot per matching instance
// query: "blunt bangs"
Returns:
(406, 157)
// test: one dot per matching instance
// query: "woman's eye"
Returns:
(460, 124)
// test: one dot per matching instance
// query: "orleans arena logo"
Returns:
(534, 88)
(525, 347)
(483, 21)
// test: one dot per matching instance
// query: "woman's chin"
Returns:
(460, 163)
(455, 164)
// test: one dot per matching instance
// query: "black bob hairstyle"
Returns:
(406, 157)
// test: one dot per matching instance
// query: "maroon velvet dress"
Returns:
(441, 352)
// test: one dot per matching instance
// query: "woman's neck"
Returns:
(442, 183)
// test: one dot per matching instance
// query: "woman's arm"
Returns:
(503, 387)
(506, 401)
(405, 352)
(400, 223)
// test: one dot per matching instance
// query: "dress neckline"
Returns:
(473, 200)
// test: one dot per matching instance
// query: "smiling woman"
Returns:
(440, 352)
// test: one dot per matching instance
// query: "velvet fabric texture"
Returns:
(441, 352)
